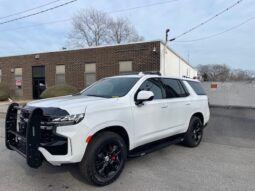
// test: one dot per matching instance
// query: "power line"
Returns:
(206, 21)
(111, 12)
(220, 33)
(142, 6)
(27, 10)
(37, 13)
(36, 25)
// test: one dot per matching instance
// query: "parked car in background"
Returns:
(115, 118)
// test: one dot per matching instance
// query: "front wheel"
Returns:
(104, 159)
(194, 133)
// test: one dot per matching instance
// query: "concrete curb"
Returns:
(4, 106)
(232, 107)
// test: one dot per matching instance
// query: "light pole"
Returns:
(164, 50)
(167, 31)
(164, 57)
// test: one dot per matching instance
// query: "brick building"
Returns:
(27, 74)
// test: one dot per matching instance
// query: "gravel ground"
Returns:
(225, 160)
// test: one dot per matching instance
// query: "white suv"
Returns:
(115, 118)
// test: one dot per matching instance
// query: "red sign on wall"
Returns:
(18, 82)
(214, 86)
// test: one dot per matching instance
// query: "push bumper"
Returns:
(25, 144)
(59, 146)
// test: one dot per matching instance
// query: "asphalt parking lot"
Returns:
(225, 160)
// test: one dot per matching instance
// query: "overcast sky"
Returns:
(235, 48)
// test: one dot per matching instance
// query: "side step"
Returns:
(151, 147)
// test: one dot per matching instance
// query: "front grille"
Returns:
(54, 143)
(46, 129)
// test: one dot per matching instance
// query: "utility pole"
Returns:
(164, 57)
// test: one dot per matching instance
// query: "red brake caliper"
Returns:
(113, 157)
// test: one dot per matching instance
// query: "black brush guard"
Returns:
(26, 145)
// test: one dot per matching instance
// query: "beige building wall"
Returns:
(172, 64)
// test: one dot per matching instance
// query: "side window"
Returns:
(197, 87)
(155, 86)
(173, 88)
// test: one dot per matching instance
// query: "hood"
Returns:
(72, 104)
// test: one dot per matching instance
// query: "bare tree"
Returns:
(92, 28)
(204, 72)
(121, 31)
(218, 72)
(239, 75)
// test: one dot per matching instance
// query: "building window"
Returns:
(60, 74)
(18, 82)
(90, 74)
(0, 75)
(125, 66)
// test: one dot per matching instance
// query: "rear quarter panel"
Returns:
(199, 104)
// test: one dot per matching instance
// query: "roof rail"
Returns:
(141, 73)
(151, 73)
(128, 73)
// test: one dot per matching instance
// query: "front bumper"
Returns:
(36, 142)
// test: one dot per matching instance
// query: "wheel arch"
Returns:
(199, 115)
(121, 131)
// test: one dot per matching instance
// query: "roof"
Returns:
(102, 46)
(140, 75)
(84, 48)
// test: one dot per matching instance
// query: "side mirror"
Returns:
(144, 96)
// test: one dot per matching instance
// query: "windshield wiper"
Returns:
(76, 94)
(95, 95)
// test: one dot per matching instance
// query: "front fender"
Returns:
(107, 124)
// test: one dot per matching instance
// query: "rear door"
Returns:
(178, 103)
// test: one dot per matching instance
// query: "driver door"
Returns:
(148, 121)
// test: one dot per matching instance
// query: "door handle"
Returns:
(164, 106)
(187, 104)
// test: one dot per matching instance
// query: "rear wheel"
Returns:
(104, 159)
(194, 134)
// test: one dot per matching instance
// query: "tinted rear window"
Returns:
(197, 87)
(173, 88)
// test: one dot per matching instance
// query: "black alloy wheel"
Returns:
(197, 131)
(104, 159)
(194, 134)
(108, 160)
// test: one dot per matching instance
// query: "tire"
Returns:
(194, 133)
(104, 159)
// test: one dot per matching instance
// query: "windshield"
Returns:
(111, 87)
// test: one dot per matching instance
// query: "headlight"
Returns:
(68, 120)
